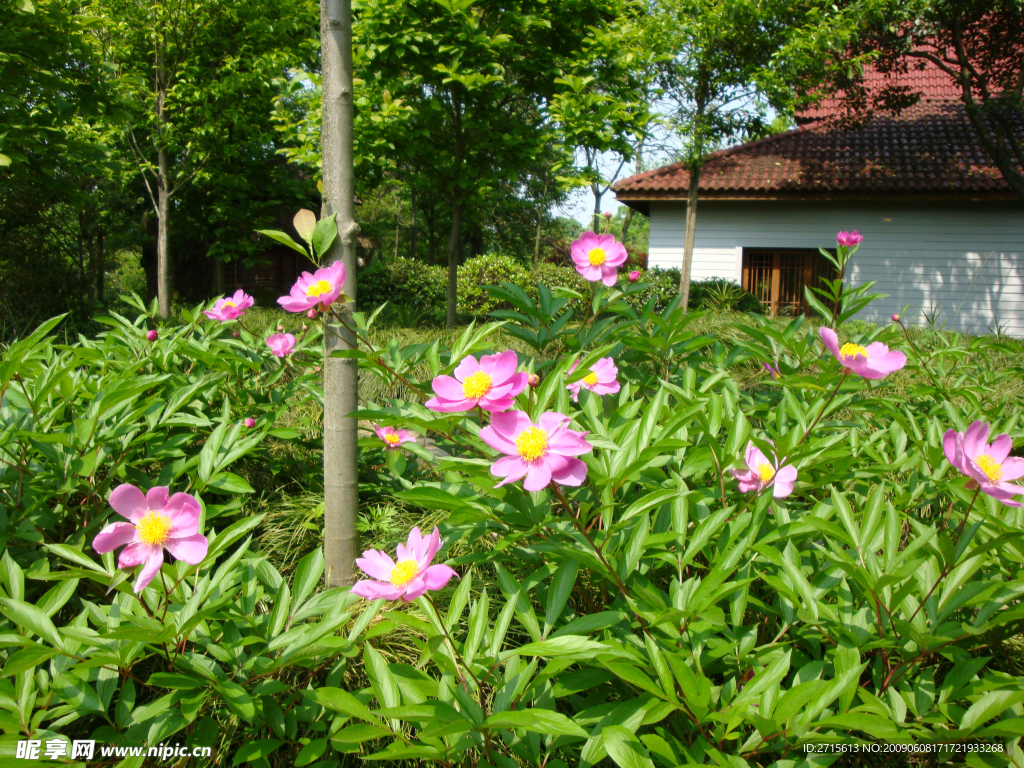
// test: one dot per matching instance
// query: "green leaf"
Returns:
(29, 616)
(561, 587)
(305, 222)
(625, 748)
(537, 721)
(988, 706)
(229, 483)
(324, 235)
(255, 750)
(283, 238)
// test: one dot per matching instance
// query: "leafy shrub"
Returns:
(403, 283)
(487, 270)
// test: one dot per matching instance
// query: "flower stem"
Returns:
(456, 656)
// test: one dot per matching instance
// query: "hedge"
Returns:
(418, 292)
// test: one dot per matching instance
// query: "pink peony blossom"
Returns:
(874, 361)
(393, 437)
(540, 452)
(152, 335)
(410, 577)
(634, 276)
(250, 422)
(316, 291)
(229, 309)
(988, 466)
(597, 257)
(491, 384)
(849, 239)
(157, 522)
(760, 473)
(601, 379)
(281, 344)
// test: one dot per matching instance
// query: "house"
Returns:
(943, 233)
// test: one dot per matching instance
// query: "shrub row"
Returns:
(416, 291)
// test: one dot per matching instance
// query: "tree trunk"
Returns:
(218, 276)
(101, 266)
(453, 260)
(691, 223)
(412, 224)
(163, 256)
(626, 221)
(596, 189)
(540, 221)
(639, 169)
(341, 375)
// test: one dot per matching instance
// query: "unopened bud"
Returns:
(235, 334)
(533, 380)
(311, 314)
(305, 327)
(250, 422)
(895, 318)
(152, 335)
(317, 369)
(634, 276)
(280, 327)
(607, 214)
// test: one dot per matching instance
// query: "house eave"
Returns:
(640, 201)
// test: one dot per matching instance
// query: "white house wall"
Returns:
(966, 259)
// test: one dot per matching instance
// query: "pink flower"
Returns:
(281, 344)
(316, 291)
(769, 368)
(492, 384)
(533, 380)
(311, 314)
(393, 437)
(634, 276)
(250, 422)
(539, 452)
(874, 361)
(156, 522)
(988, 467)
(760, 473)
(597, 257)
(849, 239)
(152, 335)
(407, 579)
(229, 309)
(601, 379)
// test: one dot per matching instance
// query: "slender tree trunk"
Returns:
(398, 221)
(691, 223)
(341, 375)
(101, 266)
(453, 260)
(596, 189)
(218, 275)
(163, 184)
(163, 255)
(639, 169)
(412, 224)
(540, 221)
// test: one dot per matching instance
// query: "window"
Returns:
(777, 277)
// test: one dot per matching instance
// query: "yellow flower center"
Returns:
(319, 288)
(404, 572)
(766, 472)
(392, 439)
(153, 528)
(590, 379)
(532, 443)
(228, 304)
(476, 385)
(852, 350)
(993, 469)
(597, 257)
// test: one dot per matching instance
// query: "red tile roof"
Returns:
(930, 149)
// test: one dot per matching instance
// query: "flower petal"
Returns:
(376, 564)
(538, 475)
(431, 547)
(375, 590)
(191, 549)
(568, 471)
(831, 341)
(511, 468)
(448, 388)
(150, 567)
(438, 576)
(113, 536)
(128, 501)
(466, 368)
(499, 367)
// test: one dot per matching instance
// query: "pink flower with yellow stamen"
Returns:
(156, 521)
(230, 308)
(988, 466)
(875, 361)
(316, 291)
(410, 577)
(849, 239)
(598, 257)
(762, 472)
(601, 379)
(281, 344)
(492, 383)
(539, 452)
(393, 437)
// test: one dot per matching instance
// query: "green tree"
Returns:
(478, 77)
(726, 64)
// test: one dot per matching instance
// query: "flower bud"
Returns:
(280, 327)
(304, 328)
(607, 214)
(311, 314)
(895, 318)
(250, 422)
(235, 334)
(534, 380)
(634, 276)
(317, 369)
(152, 335)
